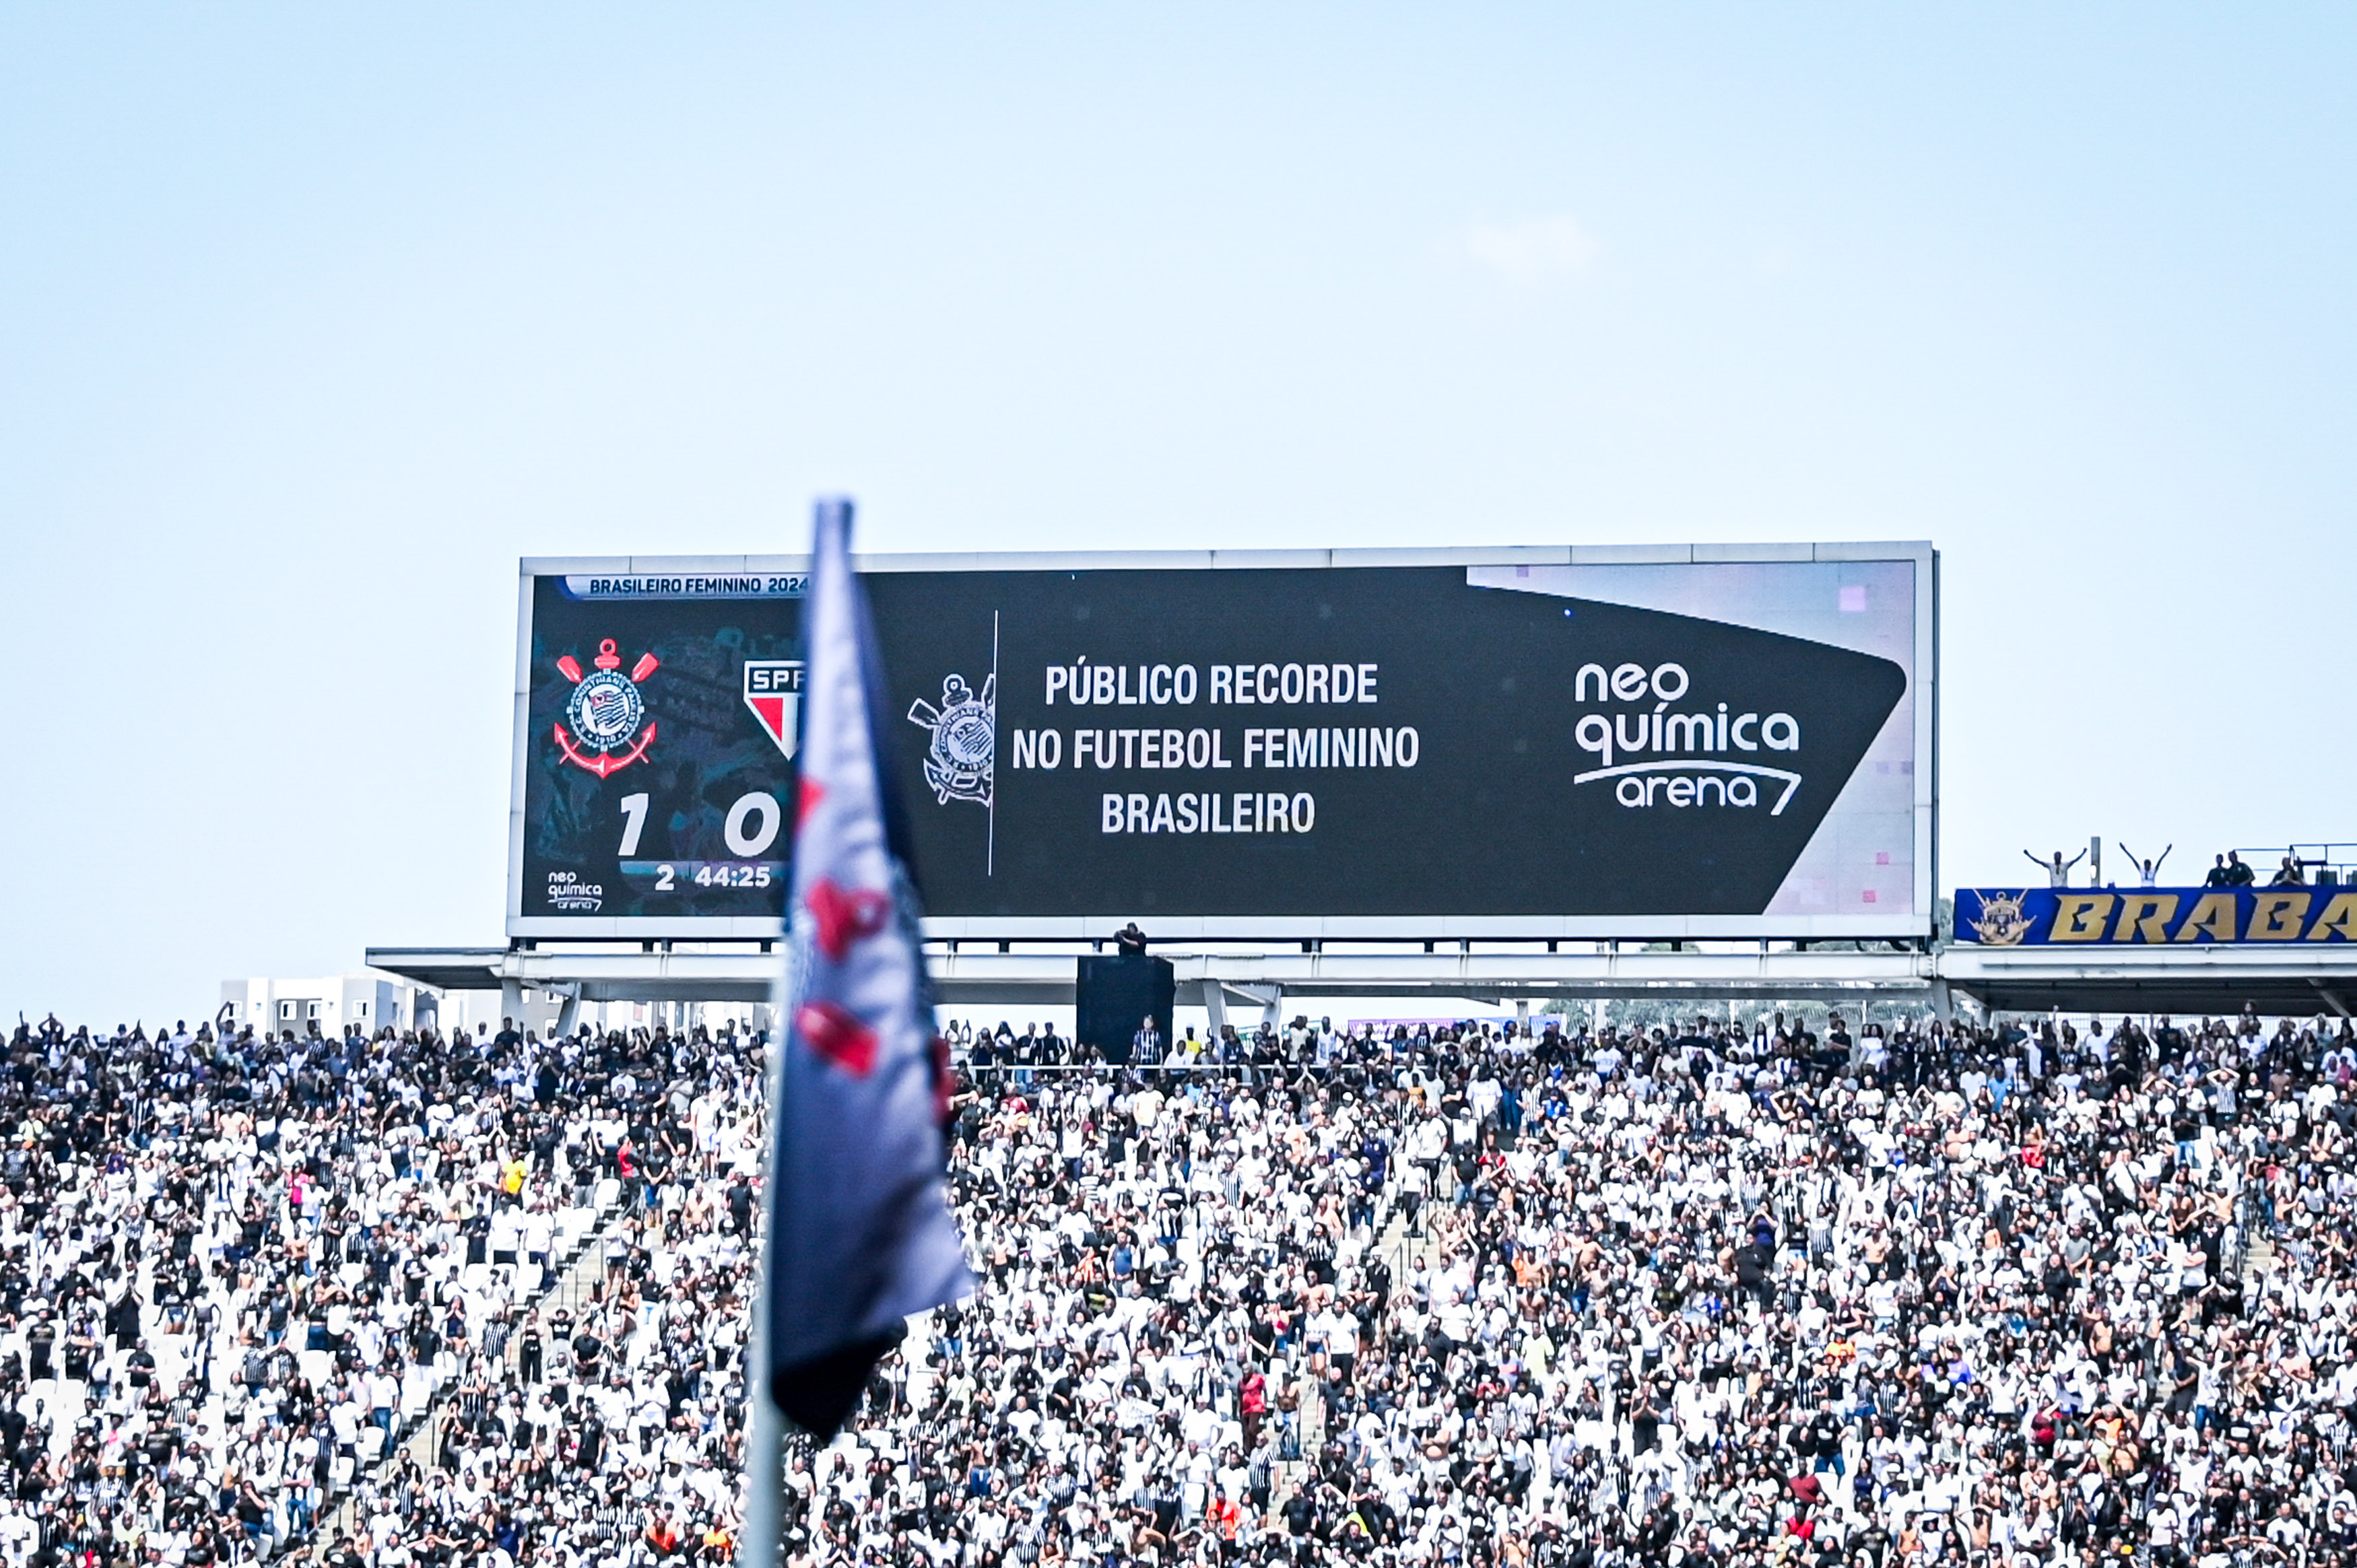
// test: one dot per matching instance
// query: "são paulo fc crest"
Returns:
(965, 739)
(601, 729)
(773, 690)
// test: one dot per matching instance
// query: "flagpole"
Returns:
(859, 1234)
(760, 1542)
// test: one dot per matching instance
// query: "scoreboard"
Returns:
(1642, 743)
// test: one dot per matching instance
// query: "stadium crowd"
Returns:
(2013, 1297)
(2002, 1297)
(261, 1294)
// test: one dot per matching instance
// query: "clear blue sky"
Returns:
(313, 320)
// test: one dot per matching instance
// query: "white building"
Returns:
(374, 999)
(368, 998)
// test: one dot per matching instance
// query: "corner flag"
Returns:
(860, 1236)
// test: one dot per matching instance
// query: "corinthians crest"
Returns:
(965, 739)
(601, 727)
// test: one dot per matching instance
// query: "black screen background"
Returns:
(1487, 823)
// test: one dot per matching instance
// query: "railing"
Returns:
(2320, 862)
(1231, 1070)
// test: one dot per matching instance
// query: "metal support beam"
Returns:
(2280, 979)
(1271, 999)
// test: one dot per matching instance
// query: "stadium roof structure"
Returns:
(2287, 980)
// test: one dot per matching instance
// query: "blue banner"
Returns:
(860, 1232)
(2056, 916)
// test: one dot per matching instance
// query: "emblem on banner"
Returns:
(601, 730)
(774, 691)
(2001, 923)
(965, 739)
